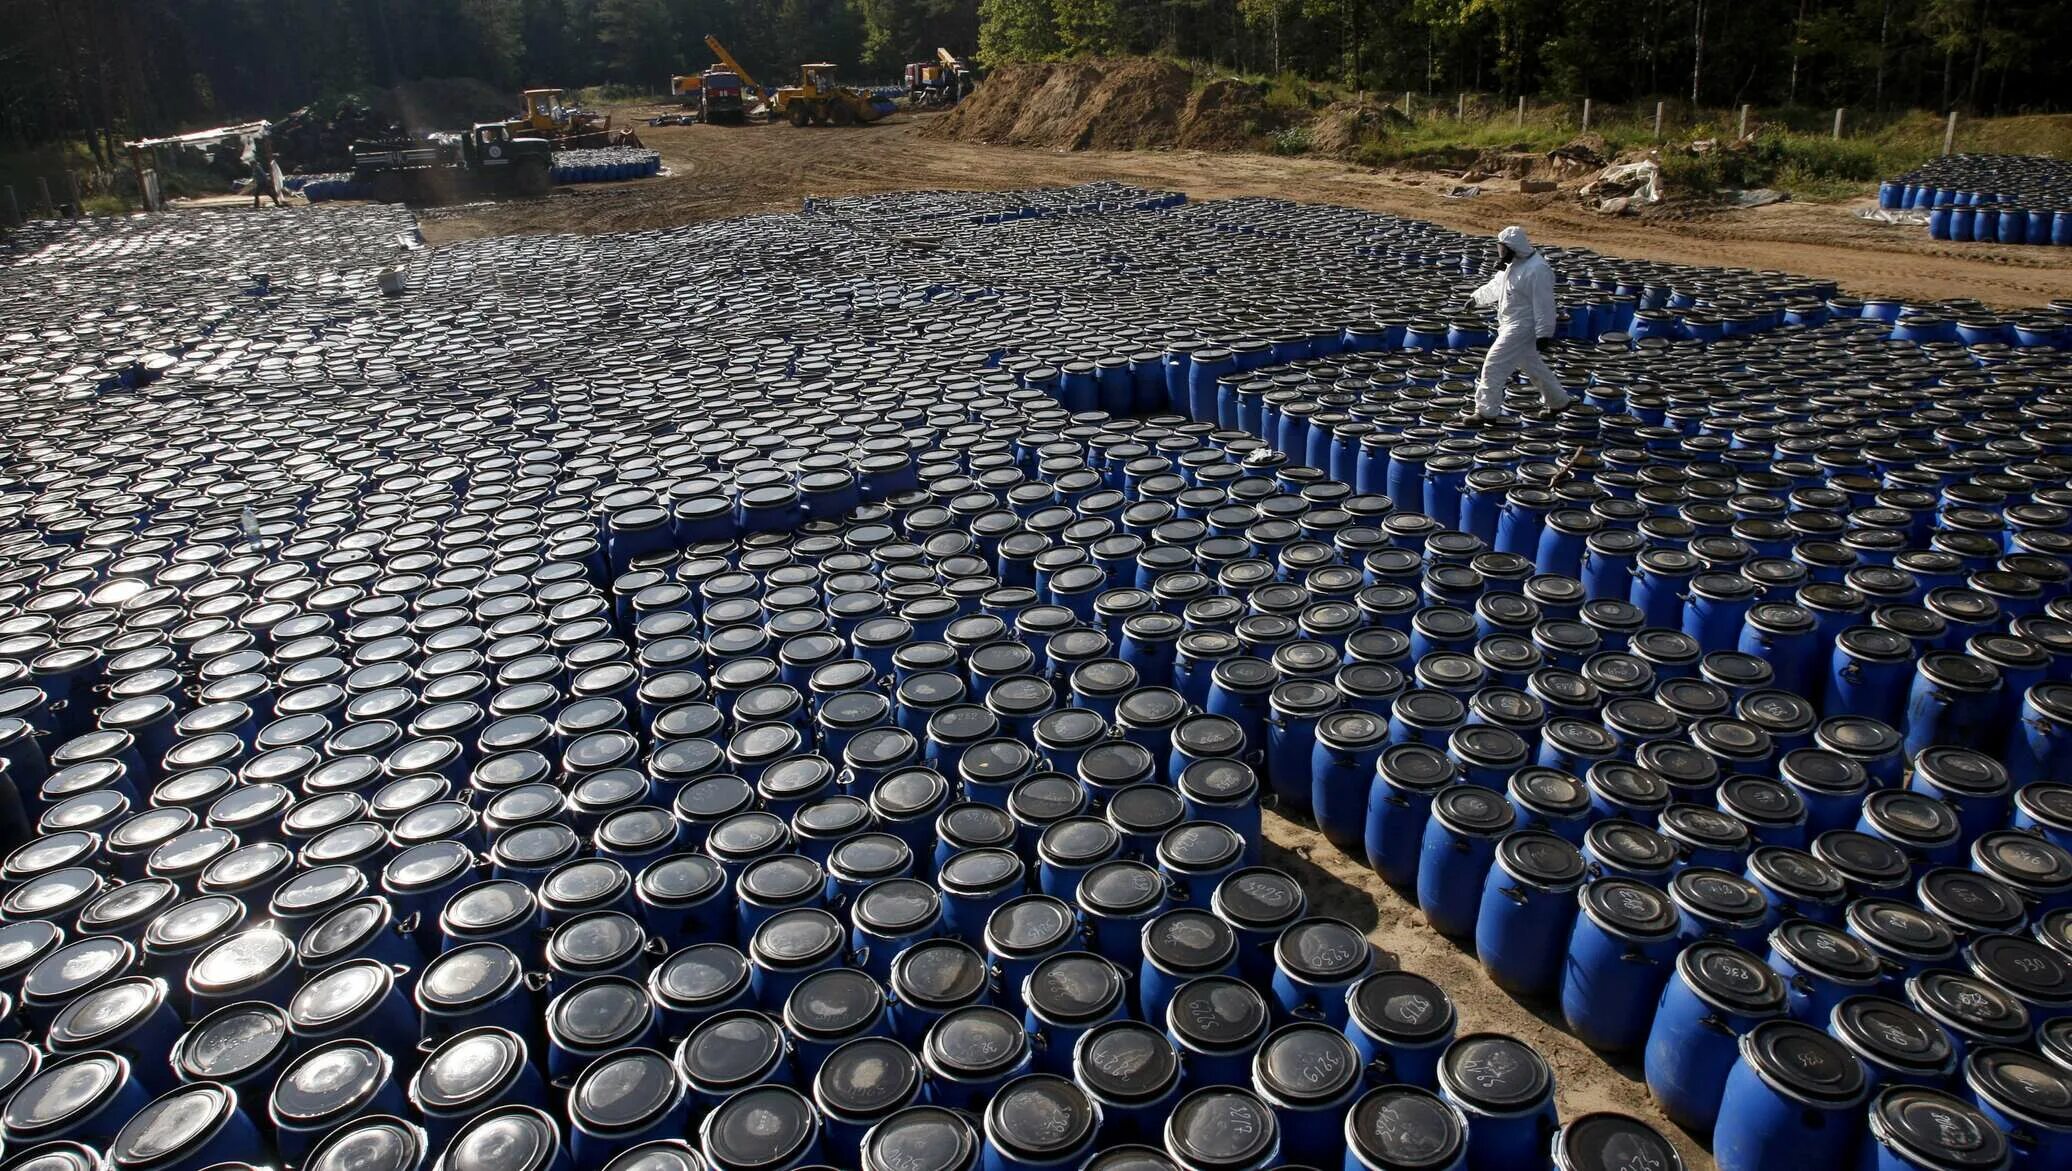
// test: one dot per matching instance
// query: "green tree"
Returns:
(636, 40)
(1016, 30)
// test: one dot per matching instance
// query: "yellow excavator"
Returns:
(817, 100)
(544, 115)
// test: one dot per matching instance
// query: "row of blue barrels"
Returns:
(2008, 199)
(606, 164)
(996, 207)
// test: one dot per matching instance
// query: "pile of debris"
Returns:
(317, 139)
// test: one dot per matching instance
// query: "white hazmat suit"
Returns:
(1523, 293)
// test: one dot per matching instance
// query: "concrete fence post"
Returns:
(1586, 115)
(72, 194)
(1408, 112)
(43, 200)
(1521, 109)
(1838, 121)
(1460, 107)
(1950, 134)
(1658, 120)
(1742, 130)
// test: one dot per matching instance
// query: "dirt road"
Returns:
(719, 171)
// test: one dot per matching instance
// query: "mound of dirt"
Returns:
(1226, 114)
(1341, 127)
(1126, 104)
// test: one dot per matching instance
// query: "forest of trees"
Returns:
(98, 69)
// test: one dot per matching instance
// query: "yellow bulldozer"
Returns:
(817, 100)
(543, 114)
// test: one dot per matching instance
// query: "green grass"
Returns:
(1294, 140)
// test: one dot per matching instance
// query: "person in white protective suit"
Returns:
(1523, 292)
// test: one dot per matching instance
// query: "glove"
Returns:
(1543, 344)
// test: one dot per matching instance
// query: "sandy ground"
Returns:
(719, 171)
(727, 171)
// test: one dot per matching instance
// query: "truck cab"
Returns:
(719, 98)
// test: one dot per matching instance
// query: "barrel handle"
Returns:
(1634, 955)
(1514, 893)
(409, 924)
(1379, 1072)
(536, 982)
(1716, 1023)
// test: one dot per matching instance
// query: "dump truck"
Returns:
(818, 100)
(488, 159)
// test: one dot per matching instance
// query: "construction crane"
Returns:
(748, 83)
(930, 85)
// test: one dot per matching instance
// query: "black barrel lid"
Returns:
(1259, 898)
(63, 1092)
(378, 1143)
(980, 872)
(171, 1126)
(1827, 951)
(1613, 1142)
(977, 1041)
(1121, 889)
(1306, 1063)
(329, 1083)
(75, 967)
(1419, 768)
(1078, 841)
(1549, 791)
(798, 938)
(1323, 950)
(1074, 987)
(699, 975)
(780, 879)
(1545, 859)
(939, 973)
(1971, 1006)
(1731, 978)
(1146, 809)
(2024, 861)
(2048, 803)
(600, 1013)
(1404, 1128)
(1901, 928)
(1629, 845)
(1892, 1035)
(511, 1138)
(867, 1078)
(1189, 941)
(924, 1138)
(231, 1042)
(1970, 901)
(730, 1050)
(1125, 1061)
(1401, 1006)
(1913, 819)
(1796, 873)
(1804, 1063)
(1473, 811)
(1195, 847)
(969, 825)
(2018, 1083)
(1495, 1073)
(1719, 895)
(488, 908)
(1040, 1118)
(1629, 785)
(1863, 859)
(1629, 910)
(1962, 771)
(2023, 966)
(833, 1003)
(586, 882)
(467, 1069)
(1221, 1128)
(1933, 1129)
(624, 1092)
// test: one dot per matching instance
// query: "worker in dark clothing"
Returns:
(262, 174)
